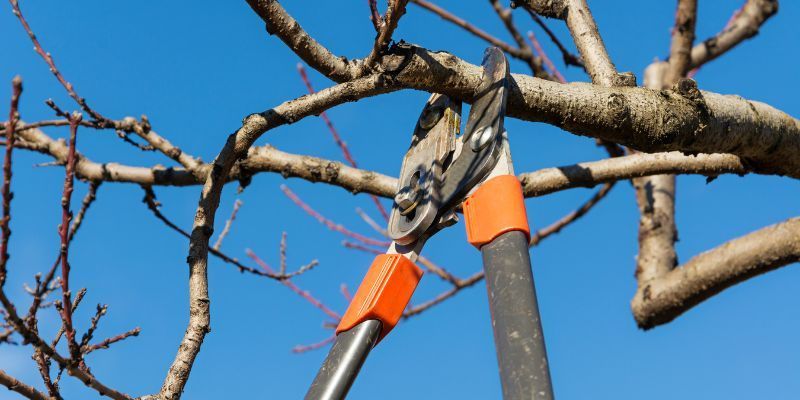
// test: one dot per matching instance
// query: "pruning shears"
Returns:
(441, 173)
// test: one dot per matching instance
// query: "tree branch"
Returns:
(744, 26)
(663, 299)
(235, 148)
(15, 385)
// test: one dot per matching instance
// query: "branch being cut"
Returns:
(687, 120)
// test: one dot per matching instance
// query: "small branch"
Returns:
(569, 58)
(294, 288)
(228, 224)
(330, 224)
(590, 174)
(371, 222)
(102, 309)
(682, 40)
(374, 15)
(287, 29)
(338, 139)
(450, 17)
(283, 254)
(505, 16)
(5, 229)
(663, 299)
(314, 346)
(539, 51)
(462, 284)
(114, 339)
(88, 200)
(557, 226)
(153, 205)
(51, 63)
(590, 44)
(85, 377)
(394, 10)
(66, 217)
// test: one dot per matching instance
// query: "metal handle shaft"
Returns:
(518, 337)
(343, 362)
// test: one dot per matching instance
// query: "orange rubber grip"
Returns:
(496, 207)
(384, 293)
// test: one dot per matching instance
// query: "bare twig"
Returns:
(53, 69)
(153, 205)
(743, 25)
(569, 58)
(66, 217)
(294, 288)
(533, 62)
(5, 229)
(539, 51)
(338, 139)
(114, 339)
(374, 15)
(314, 346)
(330, 224)
(557, 226)
(228, 224)
(450, 17)
(88, 200)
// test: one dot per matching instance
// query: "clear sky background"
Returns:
(197, 68)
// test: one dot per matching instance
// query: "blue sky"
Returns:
(196, 69)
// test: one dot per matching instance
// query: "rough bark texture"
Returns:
(707, 274)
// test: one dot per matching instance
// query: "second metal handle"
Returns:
(518, 336)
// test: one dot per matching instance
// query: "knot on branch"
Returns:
(627, 79)
(546, 8)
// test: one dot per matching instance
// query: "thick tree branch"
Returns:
(589, 174)
(687, 120)
(655, 195)
(13, 384)
(662, 300)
